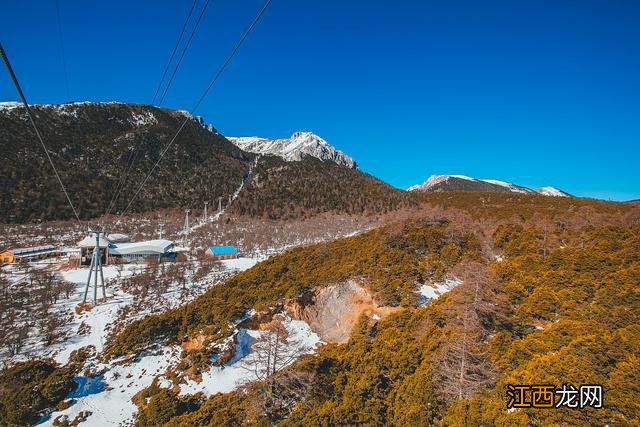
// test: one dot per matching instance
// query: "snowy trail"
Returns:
(236, 193)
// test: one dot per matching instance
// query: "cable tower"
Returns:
(96, 268)
(204, 217)
(186, 227)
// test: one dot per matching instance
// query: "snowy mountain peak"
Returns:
(295, 148)
(437, 183)
(552, 191)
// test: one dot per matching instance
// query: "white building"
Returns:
(140, 251)
(116, 247)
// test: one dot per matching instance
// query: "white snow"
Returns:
(9, 105)
(551, 191)
(109, 397)
(295, 148)
(512, 187)
(111, 403)
(437, 179)
(145, 119)
(433, 290)
(112, 406)
(239, 264)
(223, 379)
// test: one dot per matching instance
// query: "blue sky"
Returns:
(532, 92)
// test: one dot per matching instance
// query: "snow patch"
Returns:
(145, 119)
(10, 105)
(223, 379)
(432, 291)
(551, 191)
(112, 405)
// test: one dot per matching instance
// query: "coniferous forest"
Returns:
(549, 295)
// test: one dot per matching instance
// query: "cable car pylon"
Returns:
(95, 269)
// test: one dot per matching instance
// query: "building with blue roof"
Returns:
(223, 252)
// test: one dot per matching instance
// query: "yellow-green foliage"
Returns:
(562, 307)
(390, 261)
(388, 371)
(520, 207)
(28, 388)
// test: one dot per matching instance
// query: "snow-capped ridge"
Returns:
(552, 191)
(438, 183)
(295, 148)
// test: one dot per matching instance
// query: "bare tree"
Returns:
(464, 366)
(272, 351)
(277, 396)
(46, 288)
(51, 328)
(276, 390)
(15, 339)
(67, 288)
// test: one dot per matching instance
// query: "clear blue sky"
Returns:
(532, 92)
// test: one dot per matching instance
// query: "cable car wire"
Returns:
(133, 154)
(184, 51)
(5, 59)
(215, 78)
(173, 53)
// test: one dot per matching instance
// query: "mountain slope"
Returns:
(532, 315)
(91, 144)
(443, 183)
(295, 148)
(282, 189)
(552, 191)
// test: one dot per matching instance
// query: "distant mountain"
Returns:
(552, 191)
(91, 143)
(443, 183)
(295, 148)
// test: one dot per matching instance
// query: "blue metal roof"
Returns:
(223, 250)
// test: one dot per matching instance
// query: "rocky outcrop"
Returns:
(332, 311)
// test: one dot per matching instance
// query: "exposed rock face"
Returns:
(332, 311)
(295, 148)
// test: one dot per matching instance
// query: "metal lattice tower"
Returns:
(204, 217)
(219, 204)
(161, 229)
(186, 226)
(95, 269)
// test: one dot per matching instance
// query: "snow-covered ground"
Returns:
(109, 401)
(107, 392)
(239, 264)
(98, 319)
(432, 291)
(236, 372)
(109, 397)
